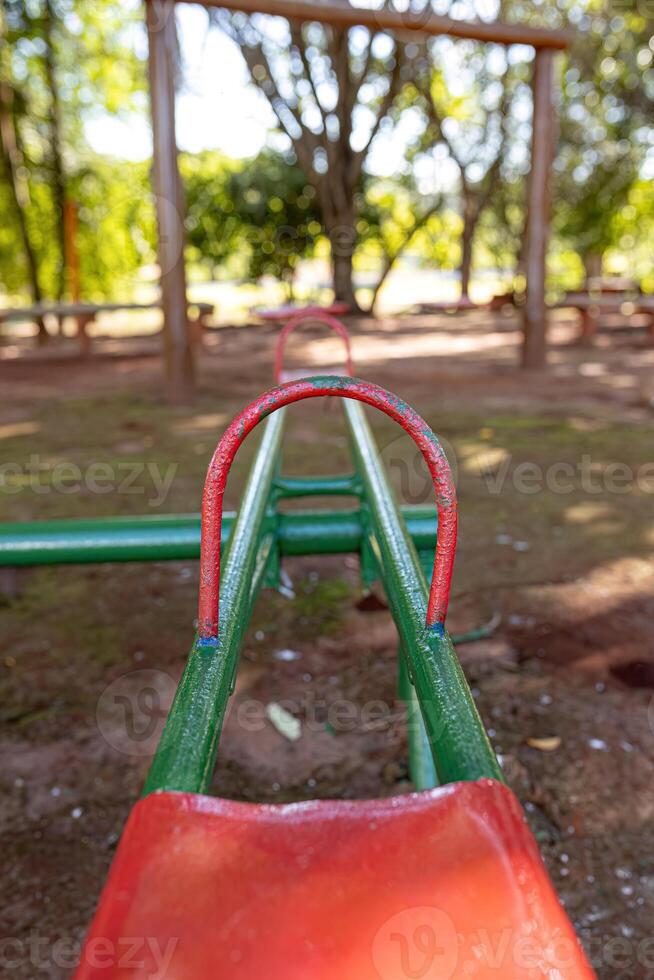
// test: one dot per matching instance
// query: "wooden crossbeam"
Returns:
(417, 22)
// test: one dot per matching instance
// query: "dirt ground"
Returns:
(555, 479)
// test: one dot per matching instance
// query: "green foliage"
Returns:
(396, 216)
(257, 217)
(605, 126)
(13, 271)
(597, 164)
(632, 240)
(212, 226)
(63, 62)
(116, 225)
(115, 229)
(388, 214)
(501, 226)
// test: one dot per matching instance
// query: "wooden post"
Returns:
(162, 41)
(534, 350)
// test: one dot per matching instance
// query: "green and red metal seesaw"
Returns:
(445, 882)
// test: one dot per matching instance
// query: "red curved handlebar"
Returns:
(269, 402)
(316, 316)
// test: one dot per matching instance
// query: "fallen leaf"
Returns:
(549, 744)
(283, 721)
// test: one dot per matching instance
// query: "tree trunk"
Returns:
(342, 273)
(342, 237)
(11, 159)
(466, 264)
(391, 258)
(389, 262)
(592, 267)
(467, 241)
(288, 277)
(58, 176)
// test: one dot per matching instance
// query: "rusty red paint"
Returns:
(315, 316)
(340, 387)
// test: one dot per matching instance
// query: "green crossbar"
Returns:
(176, 537)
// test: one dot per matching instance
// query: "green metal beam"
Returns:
(421, 761)
(459, 743)
(177, 537)
(186, 754)
(146, 538)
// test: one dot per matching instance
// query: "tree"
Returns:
(63, 60)
(393, 215)
(49, 27)
(261, 210)
(116, 233)
(17, 193)
(277, 207)
(605, 129)
(466, 91)
(331, 92)
(502, 224)
(633, 233)
(604, 113)
(13, 166)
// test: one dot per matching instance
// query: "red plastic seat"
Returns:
(435, 885)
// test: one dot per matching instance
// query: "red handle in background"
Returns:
(314, 317)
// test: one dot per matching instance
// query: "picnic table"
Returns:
(612, 284)
(280, 314)
(86, 313)
(462, 305)
(594, 303)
